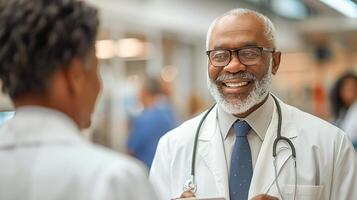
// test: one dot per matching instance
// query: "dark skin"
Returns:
(233, 32)
(236, 32)
(73, 91)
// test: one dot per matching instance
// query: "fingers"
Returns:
(264, 197)
(187, 194)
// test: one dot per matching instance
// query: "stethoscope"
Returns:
(191, 186)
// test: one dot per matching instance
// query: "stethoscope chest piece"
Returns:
(190, 185)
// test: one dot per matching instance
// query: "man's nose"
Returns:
(235, 65)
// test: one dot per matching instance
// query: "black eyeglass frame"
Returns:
(231, 51)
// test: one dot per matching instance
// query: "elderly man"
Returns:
(49, 69)
(251, 145)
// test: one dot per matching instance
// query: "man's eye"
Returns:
(220, 56)
(249, 54)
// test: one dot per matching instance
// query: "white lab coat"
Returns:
(326, 162)
(43, 157)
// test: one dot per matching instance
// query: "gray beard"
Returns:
(238, 105)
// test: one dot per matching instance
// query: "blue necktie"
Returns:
(241, 163)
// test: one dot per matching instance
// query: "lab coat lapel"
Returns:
(263, 174)
(210, 149)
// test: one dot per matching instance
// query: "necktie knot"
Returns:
(241, 128)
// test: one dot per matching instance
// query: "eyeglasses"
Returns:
(246, 55)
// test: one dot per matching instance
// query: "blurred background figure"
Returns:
(344, 104)
(343, 95)
(156, 118)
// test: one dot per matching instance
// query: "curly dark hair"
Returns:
(337, 104)
(37, 37)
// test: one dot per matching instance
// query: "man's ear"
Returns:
(74, 75)
(276, 62)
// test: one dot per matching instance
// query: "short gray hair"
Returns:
(269, 29)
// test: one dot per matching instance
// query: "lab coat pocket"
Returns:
(303, 192)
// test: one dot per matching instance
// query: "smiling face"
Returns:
(238, 88)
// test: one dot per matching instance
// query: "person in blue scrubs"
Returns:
(154, 121)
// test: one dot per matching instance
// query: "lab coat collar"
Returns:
(210, 150)
(38, 125)
(264, 176)
(258, 120)
(208, 125)
(288, 130)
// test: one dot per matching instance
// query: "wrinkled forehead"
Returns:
(242, 30)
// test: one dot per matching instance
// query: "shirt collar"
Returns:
(39, 124)
(259, 120)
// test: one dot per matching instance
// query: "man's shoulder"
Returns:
(108, 158)
(186, 130)
(183, 136)
(90, 159)
(306, 122)
(116, 172)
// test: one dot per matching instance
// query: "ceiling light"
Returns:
(346, 7)
(104, 49)
(292, 9)
(130, 48)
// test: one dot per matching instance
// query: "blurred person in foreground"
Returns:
(344, 104)
(152, 123)
(49, 69)
(234, 157)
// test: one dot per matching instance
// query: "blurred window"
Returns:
(4, 116)
(292, 9)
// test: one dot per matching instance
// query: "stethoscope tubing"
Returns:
(191, 184)
(193, 161)
(279, 137)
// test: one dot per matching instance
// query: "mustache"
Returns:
(240, 75)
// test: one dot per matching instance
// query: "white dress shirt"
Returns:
(258, 120)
